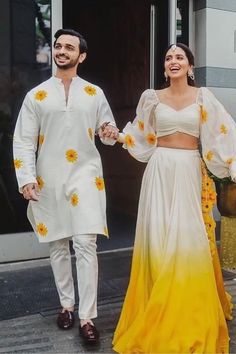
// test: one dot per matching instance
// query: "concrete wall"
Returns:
(215, 49)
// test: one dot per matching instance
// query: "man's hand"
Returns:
(31, 191)
(108, 131)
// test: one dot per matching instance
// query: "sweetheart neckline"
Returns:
(179, 110)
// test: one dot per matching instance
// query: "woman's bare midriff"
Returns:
(178, 141)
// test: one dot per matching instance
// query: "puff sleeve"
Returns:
(218, 137)
(139, 137)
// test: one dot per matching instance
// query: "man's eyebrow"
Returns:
(66, 44)
(69, 45)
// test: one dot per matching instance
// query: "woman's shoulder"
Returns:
(149, 94)
(160, 93)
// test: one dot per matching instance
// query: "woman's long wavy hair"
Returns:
(190, 58)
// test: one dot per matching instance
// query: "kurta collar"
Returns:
(56, 79)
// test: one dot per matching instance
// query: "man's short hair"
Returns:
(83, 47)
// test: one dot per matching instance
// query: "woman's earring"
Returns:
(166, 76)
(191, 75)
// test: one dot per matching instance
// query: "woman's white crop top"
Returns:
(169, 121)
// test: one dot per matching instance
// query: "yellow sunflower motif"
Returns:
(223, 129)
(74, 199)
(204, 115)
(212, 247)
(208, 202)
(141, 125)
(42, 229)
(18, 163)
(71, 156)
(90, 90)
(151, 139)
(209, 155)
(204, 195)
(212, 196)
(41, 139)
(207, 206)
(208, 183)
(99, 181)
(129, 141)
(230, 161)
(40, 182)
(90, 133)
(206, 217)
(40, 95)
(210, 224)
(105, 230)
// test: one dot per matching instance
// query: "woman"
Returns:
(176, 301)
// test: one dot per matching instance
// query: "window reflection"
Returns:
(43, 33)
(182, 15)
(24, 63)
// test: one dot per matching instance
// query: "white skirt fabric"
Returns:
(172, 303)
(170, 203)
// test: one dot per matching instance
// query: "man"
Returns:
(59, 171)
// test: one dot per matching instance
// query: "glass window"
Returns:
(182, 16)
(25, 62)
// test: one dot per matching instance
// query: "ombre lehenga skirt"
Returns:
(172, 303)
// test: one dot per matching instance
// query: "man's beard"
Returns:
(70, 65)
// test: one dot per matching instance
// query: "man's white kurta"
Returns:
(54, 146)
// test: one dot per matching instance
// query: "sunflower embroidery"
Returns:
(209, 222)
(208, 201)
(90, 133)
(141, 125)
(151, 139)
(99, 181)
(90, 90)
(223, 129)
(204, 115)
(129, 141)
(41, 139)
(40, 182)
(42, 229)
(40, 95)
(212, 196)
(71, 156)
(209, 155)
(229, 161)
(18, 163)
(74, 199)
(207, 206)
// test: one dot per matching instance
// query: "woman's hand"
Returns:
(108, 131)
(31, 191)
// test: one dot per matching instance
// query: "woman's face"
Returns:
(176, 63)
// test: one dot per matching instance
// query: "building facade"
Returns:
(126, 39)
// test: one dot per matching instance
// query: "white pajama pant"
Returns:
(85, 247)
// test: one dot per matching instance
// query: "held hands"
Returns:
(31, 191)
(108, 131)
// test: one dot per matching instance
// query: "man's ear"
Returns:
(82, 57)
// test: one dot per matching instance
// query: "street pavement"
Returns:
(29, 306)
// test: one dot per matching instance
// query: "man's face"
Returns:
(66, 53)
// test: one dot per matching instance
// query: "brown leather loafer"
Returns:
(89, 334)
(66, 320)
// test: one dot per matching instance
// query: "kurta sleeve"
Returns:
(104, 115)
(139, 137)
(25, 143)
(218, 136)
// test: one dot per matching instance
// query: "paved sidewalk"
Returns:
(37, 332)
